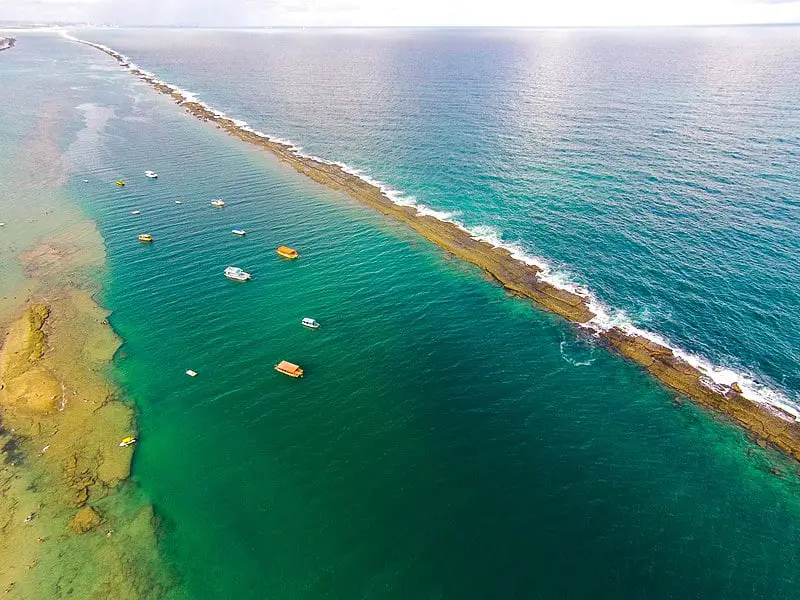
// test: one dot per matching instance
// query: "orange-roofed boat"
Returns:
(290, 369)
(287, 252)
(145, 237)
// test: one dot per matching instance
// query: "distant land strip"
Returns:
(766, 422)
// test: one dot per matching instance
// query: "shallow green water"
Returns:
(447, 441)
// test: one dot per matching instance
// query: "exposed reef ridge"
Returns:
(767, 422)
(62, 471)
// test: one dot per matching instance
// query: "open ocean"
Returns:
(448, 441)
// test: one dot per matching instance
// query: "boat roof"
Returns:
(286, 249)
(285, 365)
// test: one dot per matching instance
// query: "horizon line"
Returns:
(61, 24)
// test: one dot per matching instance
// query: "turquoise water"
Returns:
(658, 167)
(447, 441)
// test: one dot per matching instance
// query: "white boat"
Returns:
(127, 441)
(218, 203)
(151, 174)
(191, 373)
(178, 201)
(136, 212)
(238, 231)
(310, 323)
(236, 274)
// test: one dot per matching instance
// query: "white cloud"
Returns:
(406, 12)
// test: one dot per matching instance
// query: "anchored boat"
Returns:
(145, 237)
(120, 183)
(287, 252)
(236, 274)
(310, 323)
(151, 174)
(238, 231)
(290, 369)
(218, 203)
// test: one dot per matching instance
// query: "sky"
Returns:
(532, 13)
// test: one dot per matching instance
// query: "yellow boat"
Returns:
(290, 369)
(287, 252)
(127, 441)
(120, 183)
(145, 237)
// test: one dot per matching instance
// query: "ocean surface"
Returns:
(448, 441)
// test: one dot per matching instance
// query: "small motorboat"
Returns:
(310, 323)
(290, 369)
(237, 274)
(191, 373)
(287, 252)
(178, 201)
(136, 212)
(85, 181)
(238, 231)
(121, 182)
(218, 203)
(145, 237)
(127, 441)
(151, 174)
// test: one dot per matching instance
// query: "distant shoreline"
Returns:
(766, 422)
(7, 43)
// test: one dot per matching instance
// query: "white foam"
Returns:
(605, 318)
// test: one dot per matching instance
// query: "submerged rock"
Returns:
(85, 520)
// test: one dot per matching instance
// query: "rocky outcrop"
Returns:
(85, 520)
(27, 386)
(775, 427)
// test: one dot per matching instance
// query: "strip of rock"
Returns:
(766, 422)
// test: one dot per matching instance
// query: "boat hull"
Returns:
(295, 374)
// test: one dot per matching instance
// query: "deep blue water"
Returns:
(448, 441)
